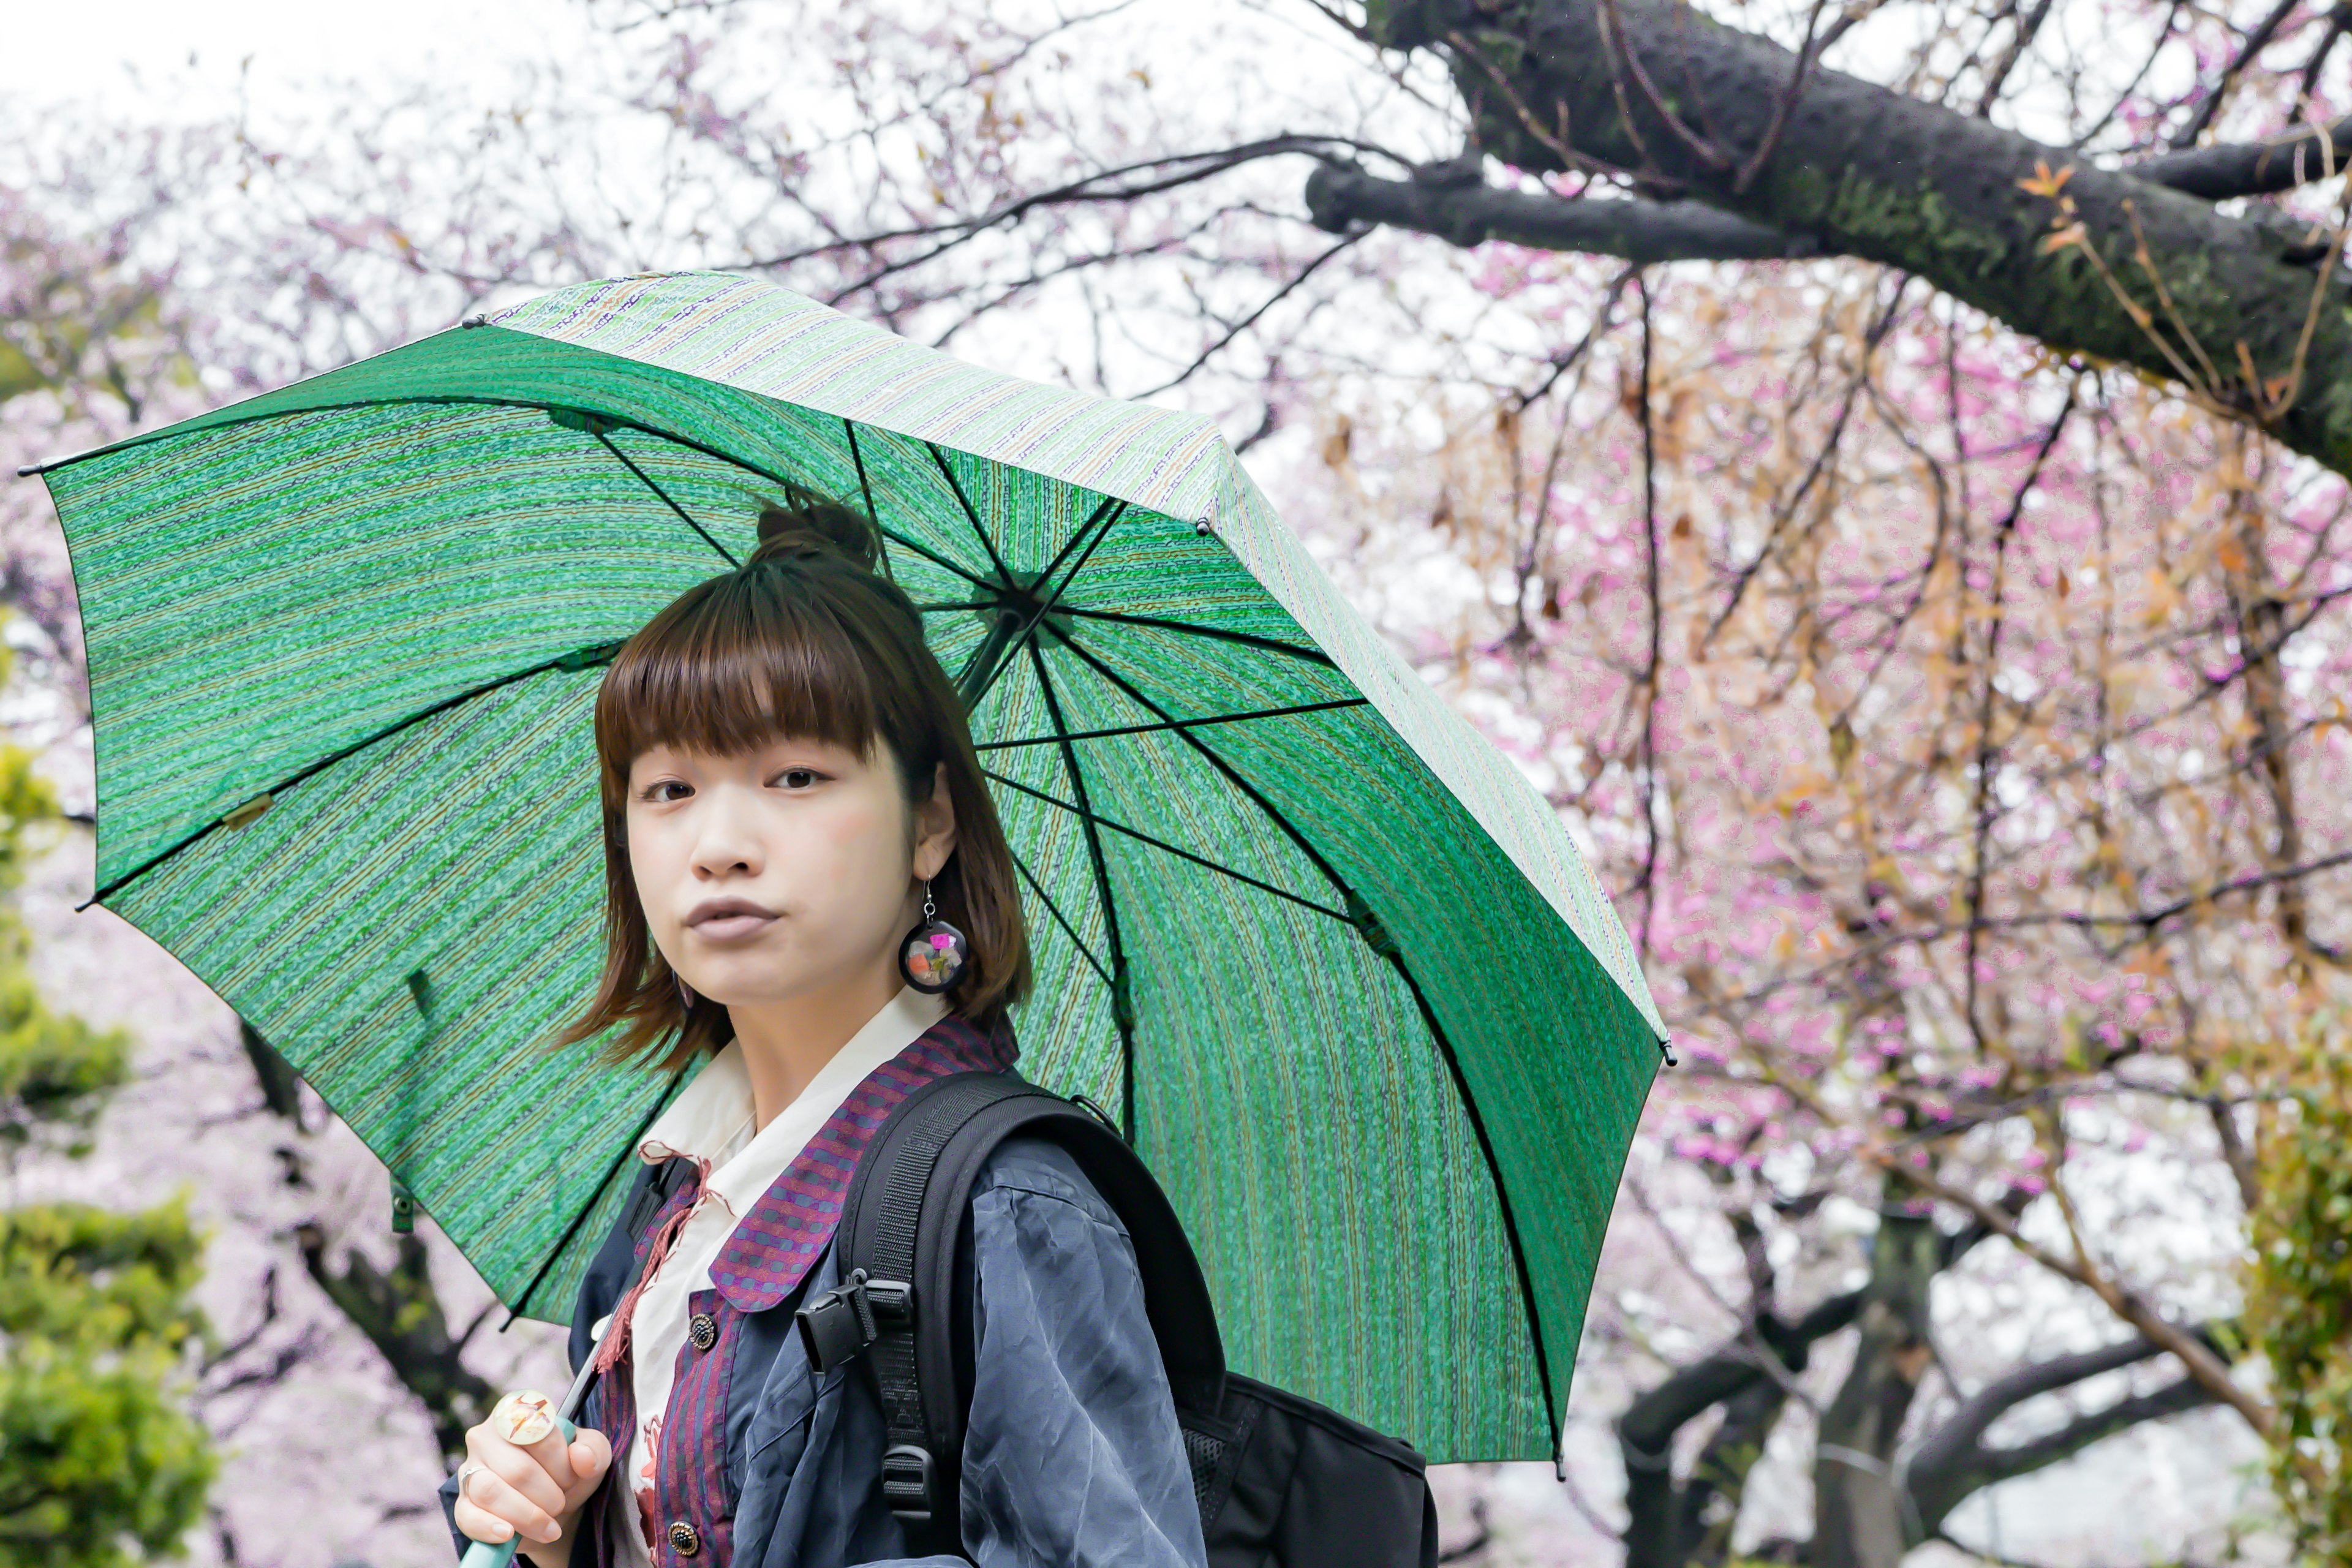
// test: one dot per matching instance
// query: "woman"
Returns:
(792, 802)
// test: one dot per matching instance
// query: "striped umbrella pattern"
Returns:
(1324, 953)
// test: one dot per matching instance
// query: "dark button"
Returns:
(703, 1330)
(683, 1540)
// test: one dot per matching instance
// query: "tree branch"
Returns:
(402, 1317)
(2139, 272)
(2296, 156)
(2207, 1368)
(1954, 1462)
(1652, 1420)
(1469, 213)
(2178, 1397)
(2218, 93)
(1661, 1516)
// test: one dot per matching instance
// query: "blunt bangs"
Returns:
(734, 664)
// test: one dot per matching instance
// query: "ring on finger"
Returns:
(466, 1472)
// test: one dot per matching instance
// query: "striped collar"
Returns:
(776, 1244)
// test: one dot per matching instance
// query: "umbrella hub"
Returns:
(1013, 611)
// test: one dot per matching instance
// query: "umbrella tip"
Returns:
(1666, 1049)
(29, 469)
(474, 322)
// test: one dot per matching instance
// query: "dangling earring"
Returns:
(933, 955)
(685, 998)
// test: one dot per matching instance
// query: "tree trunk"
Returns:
(1858, 1502)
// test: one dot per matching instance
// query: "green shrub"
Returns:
(102, 1464)
(2299, 1308)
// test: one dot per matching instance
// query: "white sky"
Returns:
(99, 51)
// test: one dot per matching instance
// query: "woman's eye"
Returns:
(660, 793)
(797, 778)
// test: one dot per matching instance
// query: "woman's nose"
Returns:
(729, 840)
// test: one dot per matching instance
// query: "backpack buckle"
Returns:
(907, 1483)
(838, 1326)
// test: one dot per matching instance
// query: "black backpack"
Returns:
(1281, 1481)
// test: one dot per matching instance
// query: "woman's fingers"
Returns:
(507, 1481)
(522, 1477)
(476, 1523)
(590, 1456)
(553, 1455)
(495, 1495)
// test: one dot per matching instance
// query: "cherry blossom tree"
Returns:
(1877, 469)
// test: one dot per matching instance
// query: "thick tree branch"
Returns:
(281, 1086)
(2205, 1367)
(400, 1315)
(2297, 156)
(1650, 1422)
(1468, 212)
(2148, 276)
(1662, 1519)
(1451, 202)
(1954, 1462)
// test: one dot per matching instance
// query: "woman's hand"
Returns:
(521, 1478)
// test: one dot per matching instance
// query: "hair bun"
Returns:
(806, 524)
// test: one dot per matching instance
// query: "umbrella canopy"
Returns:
(1318, 947)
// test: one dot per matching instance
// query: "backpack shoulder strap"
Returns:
(907, 1206)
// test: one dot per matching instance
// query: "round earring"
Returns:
(933, 955)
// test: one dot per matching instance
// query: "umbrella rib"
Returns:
(590, 1207)
(1094, 517)
(1162, 844)
(1020, 637)
(579, 658)
(942, 562)
(1122, 1007)
(858, 461)
(1059, 918)
(725, 554)
(1174, 724)
(1247, 640)
(970, 514)
(1428, 1014)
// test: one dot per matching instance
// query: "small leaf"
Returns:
(2044, 183)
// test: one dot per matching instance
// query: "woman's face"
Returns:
(777, 873)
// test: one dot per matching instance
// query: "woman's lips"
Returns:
(732, 927)
(730, 920)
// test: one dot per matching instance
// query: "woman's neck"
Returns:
(787, 1044)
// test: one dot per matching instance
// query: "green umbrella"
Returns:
(1314, 942)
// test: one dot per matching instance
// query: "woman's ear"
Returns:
(935, 827)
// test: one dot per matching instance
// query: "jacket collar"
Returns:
(789, 1228)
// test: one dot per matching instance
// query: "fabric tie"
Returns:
(616, 1343)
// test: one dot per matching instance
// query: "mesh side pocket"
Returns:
(1205, 1453)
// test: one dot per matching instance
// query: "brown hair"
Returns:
(803, 639)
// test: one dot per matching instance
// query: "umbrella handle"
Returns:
(488, 1554)
(498, 1554)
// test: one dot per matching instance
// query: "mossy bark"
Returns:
(1863, 172)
